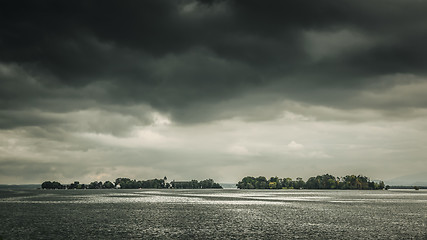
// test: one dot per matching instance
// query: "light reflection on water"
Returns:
(215, 197)
(213, 214)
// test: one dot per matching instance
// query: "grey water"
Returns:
(212, 214)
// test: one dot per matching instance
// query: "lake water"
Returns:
(213, 214)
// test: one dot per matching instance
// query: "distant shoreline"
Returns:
(38, 186)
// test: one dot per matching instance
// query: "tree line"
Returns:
(194, 184)
(325, 181)
(127, 183)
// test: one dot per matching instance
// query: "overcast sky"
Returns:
(95, 90)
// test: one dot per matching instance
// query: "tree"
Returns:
(272, 185)
(47, 185)
(246, 183)
(381, 185)
(95, 185)
(52, 185)
(286, 183)
(299, 183)
(108, 185)
(312, 183)
(209, 183)
(261, 182)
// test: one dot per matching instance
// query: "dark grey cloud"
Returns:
(79, 43)
(172, 54)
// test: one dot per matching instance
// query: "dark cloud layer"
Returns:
(172, 54)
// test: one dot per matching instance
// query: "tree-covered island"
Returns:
(325, 181)
(126, 183)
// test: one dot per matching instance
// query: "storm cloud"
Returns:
(217, 89)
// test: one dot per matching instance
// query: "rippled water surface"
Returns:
(213, 214)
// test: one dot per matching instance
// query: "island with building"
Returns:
(127, 183)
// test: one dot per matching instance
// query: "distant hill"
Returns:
(418, 179)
